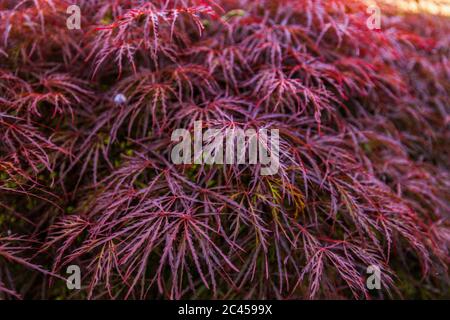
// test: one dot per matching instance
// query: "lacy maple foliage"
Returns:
(85, 136)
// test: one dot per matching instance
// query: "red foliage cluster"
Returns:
(85, 132)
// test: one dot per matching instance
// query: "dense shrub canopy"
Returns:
(86, 178)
